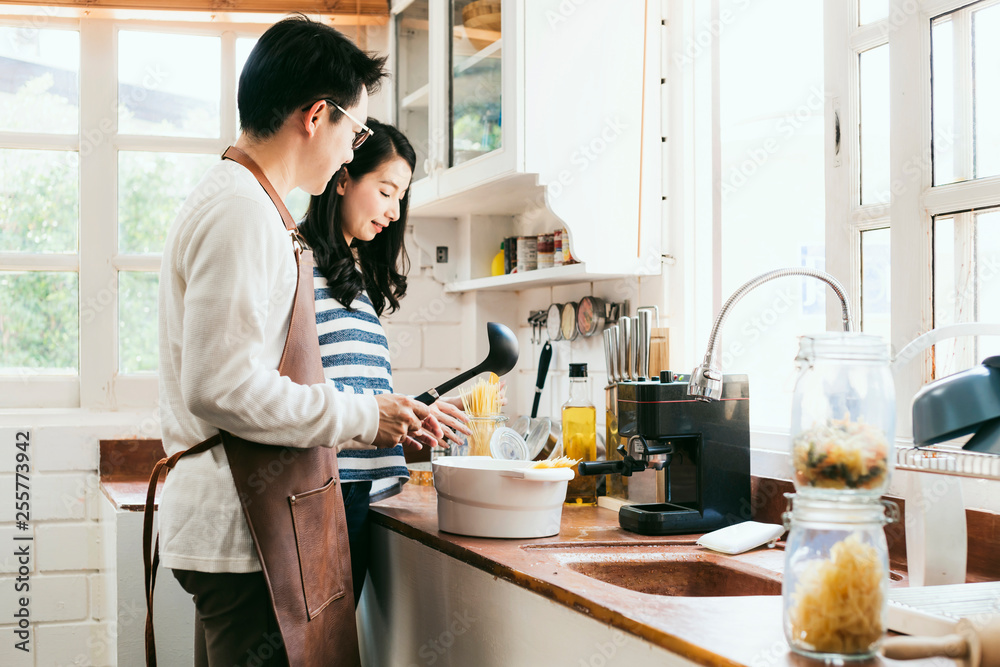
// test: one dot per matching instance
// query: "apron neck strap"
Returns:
(238, 156)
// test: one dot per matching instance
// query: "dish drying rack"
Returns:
(945, 460)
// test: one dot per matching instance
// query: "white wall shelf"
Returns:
(513, 282)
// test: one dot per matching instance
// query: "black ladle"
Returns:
(500, 360)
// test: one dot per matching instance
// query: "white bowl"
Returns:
(484, 497)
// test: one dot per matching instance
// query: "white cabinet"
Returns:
(548, 117)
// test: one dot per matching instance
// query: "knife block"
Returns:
(659, 351)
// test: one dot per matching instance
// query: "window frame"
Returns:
(916, 201)
(98, 384)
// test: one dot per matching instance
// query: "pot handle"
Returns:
(540, 474)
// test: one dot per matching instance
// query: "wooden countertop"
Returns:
(715, 631)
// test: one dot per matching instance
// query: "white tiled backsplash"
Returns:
(426, 334)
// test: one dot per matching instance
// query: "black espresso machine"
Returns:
(701, 448)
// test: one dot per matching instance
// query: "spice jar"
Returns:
(836, 576)
(843, 416)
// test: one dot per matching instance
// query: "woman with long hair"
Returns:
(356, 229)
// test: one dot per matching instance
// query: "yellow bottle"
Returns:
(496, 266)
(579, 430)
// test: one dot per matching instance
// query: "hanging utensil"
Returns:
(543, 369)
(569, 328)
(590, 315)
(500, 360)
(553, 322)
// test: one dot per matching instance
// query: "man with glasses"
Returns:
(227, 285)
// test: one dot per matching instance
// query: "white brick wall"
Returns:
(72, 622)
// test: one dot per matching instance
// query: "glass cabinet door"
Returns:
(475, 90)
(412, 82)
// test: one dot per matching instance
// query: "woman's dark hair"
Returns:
(383, 260)
(295, 63)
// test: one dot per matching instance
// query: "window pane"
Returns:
(476, 50)
(773, 209)
(412, 78)
(988, 279)
(986, 66)
(875, 282)
(39, 201)
(39, 80)
(966, 252)
(297, 202)
(168, 84)
(947, 308)
(138, 341)
(965, 61)
(151, 188)
(244, 45)
(39, 330)
(870, 11)
(874, 65)
(947, 161)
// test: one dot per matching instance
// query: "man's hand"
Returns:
(399, 417)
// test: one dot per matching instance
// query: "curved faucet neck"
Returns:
(706, 380)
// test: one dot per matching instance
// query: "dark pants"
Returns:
(234, 621)
(358, 531)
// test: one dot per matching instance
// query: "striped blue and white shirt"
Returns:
(355, 355)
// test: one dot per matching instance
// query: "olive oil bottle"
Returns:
(579, 431)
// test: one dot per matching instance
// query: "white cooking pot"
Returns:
(484, 497)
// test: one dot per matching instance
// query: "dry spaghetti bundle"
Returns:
(482, 403)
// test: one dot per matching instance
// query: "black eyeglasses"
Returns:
(359, 138)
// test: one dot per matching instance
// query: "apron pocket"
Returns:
(313, 512)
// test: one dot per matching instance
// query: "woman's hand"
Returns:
(452, 418)
(440, 425)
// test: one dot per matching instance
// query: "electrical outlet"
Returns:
(442, 254)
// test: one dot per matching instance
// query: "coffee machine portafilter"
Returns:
(701, 449)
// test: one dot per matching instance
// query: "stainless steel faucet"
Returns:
(706, 379)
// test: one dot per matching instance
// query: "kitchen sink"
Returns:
(684, 574)
(678, 569)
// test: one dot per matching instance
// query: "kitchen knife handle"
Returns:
(642, 342)
(615, 370)
(543, 370)
(634, 346)
(625, 348)
(609, 361)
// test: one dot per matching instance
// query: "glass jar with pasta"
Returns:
(836, 577)
(843, 416)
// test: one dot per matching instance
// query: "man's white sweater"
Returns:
(226, 288)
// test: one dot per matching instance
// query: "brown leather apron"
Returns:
(297, 517)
